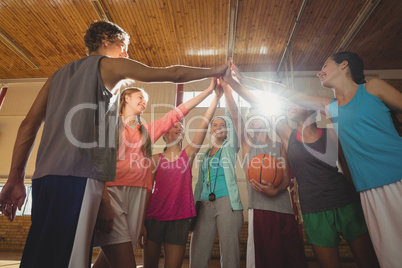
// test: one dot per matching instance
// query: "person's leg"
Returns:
(101, 261)
(136, 198)
(152, 252)
(203, 237)
(267, 234)
(250, 258)
(229, 224)
(174, 255)
(363, 251)
(352, 227)
(120, 255)
(152, 248)
(63, 218)
(321, 232)
(292, 243)
(327, 257)
(383, 216)
(124, 230)
(176, 238)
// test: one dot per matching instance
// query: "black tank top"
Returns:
(321, 186)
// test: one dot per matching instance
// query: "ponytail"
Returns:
(146, 146)
(355, 63)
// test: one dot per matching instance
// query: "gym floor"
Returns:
(12, 260)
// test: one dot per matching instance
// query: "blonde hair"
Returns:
(146, 146)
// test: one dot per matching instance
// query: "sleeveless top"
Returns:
(372, 146)
(214, 177)
(79, 135)
(321, 186)
(280, 202)
(172, 196)
(229, 151)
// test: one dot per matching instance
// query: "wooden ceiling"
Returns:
(256, 33)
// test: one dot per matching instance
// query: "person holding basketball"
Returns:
(172, 202)
(361, 115)
(77, 152)
(273, 235)
(221, 210)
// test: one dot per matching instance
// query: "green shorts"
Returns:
(172, 232)
(324, 228)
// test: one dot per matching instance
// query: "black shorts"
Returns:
(172, 232)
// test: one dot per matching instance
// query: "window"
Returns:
(271, 103)
(187, 95)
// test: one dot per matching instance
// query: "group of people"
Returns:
(96, 182)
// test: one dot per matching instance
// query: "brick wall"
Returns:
(13, 236)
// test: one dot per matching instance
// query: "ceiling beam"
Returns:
(289, 42)
(101, 10)
(232, 21)
(28, 59)
(357, 24)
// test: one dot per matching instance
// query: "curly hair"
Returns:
(99, 31)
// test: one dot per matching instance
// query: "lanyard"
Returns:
(209, 168)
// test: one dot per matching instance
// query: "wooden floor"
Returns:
(12, 260)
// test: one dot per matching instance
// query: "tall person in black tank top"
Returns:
(312, 154)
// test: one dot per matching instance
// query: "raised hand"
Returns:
(220, 70)
(219, 91)
(236, 74)
(212, 85)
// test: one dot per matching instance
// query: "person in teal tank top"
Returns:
(361, 113)
(219, 198)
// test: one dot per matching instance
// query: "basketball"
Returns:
(264, 167)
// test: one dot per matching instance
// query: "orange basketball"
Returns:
(264, 167)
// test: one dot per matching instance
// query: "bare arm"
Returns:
(190, 104)
(115, 69)
(314, 102)
(13, 193)
(160, 126)
(387, 93)
(199, 137)
(238, 122)
(104, 221)
(283, 131)
(244, 93)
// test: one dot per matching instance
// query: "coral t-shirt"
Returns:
(133, 168)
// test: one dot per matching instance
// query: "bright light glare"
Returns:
(271, 104)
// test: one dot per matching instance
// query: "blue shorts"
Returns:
(64, 212)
